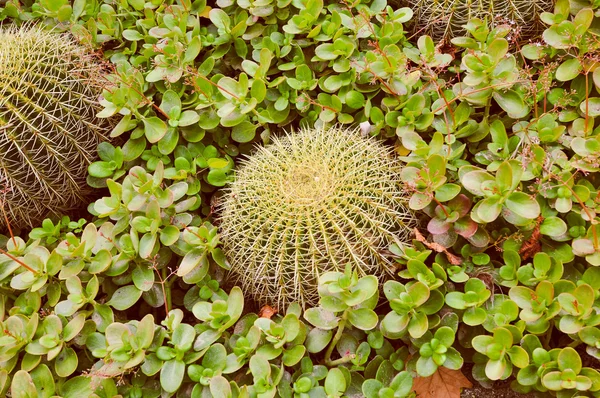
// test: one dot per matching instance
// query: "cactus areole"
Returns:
(308, 203)
(48, 126)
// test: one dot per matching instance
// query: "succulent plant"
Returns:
(48, 126)
(445, 18)
(309, 203)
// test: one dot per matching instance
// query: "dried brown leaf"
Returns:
(532, 245)
(452, 259)
(267, 312)
(445, 383)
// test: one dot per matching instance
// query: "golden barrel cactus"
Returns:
(308, 203)
(48, 127)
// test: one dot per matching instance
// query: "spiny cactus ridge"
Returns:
(445, 18)
(308, 203)
(48, 127)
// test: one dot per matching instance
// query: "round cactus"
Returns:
(309, 203)
(48, 127)
(445, 18)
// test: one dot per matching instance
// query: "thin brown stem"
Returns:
(475, 92)
(206, 79)
(163, 280)
(440, 205)
(147, 101)
(313, 102)
(587, 211)
(21, 263)
(164, 292)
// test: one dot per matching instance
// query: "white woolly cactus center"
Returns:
(309, 203)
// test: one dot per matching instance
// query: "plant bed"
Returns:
(299, 199)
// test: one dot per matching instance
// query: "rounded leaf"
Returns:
(568, 358)
(568, 70)
(22, 385)
(523, 205)
(335, 382)
(321, 318)
(363, 318)
(154, 128)
(318, 339)
(553, 226)
(66, 362)
(125, 297)
(171, 375)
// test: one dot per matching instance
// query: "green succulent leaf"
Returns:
(171, 375)
(363, 318)
(125, 297)
(155, 129)
(523, 205)
(321, 318)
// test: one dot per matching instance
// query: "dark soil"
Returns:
(501, 389)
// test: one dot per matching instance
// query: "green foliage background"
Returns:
(500, 147)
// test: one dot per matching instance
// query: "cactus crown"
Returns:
(309, 203)
(48, 128)
(445, 18)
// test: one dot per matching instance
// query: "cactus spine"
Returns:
(308, 203)
(445, 18)
(48, 128)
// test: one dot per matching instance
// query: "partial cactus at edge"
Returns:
(445, 18)
(309, 203)
(48, 127)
